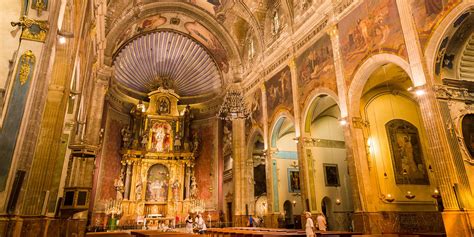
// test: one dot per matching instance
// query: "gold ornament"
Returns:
(27, 61)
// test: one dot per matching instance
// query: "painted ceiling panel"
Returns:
(167, 54)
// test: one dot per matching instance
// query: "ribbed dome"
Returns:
(171, 55)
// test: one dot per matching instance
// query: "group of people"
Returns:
(321, 224)
(198, 223)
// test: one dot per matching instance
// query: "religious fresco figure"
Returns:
(157, 183)
(407, 156)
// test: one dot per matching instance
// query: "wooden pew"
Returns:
(336, 234)
(155, 233)
(108, 234)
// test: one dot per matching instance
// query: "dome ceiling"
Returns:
(152, 59)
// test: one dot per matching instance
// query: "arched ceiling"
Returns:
(143, 64)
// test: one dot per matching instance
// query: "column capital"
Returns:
(333, 30)
(292, 63)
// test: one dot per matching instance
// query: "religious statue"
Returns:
(275, 23)
(119, 188)
(193, 189)
(126, 136)
(195, 141)
(163, 106)
(161, 138)
(144, 141)
(138, 190)
(175, 189)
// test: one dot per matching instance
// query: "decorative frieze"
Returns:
(444, 92)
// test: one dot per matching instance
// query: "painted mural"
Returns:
(211, 6)
(205, 37)
(144, 25)
(407, 155)
(279, 94)
(157, 184)
(374, 27)
(427, 15)
(256, 112)
(316, 68)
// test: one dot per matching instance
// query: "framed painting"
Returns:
(294, 180)
(407, 155)
(331, 175)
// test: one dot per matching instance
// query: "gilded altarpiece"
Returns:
(158, 159)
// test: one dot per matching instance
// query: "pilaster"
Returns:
(239, 178)
(449, 171)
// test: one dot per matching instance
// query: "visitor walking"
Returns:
(309, 225)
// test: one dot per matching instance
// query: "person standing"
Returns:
(322, 224)
(189, 224)
(309, 225)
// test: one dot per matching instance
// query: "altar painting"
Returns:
(161, 135)
(157, 184)
(407, 156)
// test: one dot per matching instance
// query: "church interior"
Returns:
(127, 117)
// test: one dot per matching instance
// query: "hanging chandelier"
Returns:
(234, 106)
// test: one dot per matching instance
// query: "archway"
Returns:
(285, 169)
(328, 212)
(396, 144)
(327, 161)
(288, 213)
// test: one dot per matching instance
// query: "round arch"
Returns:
(308, 104)
(431, 50)
(276, 125)
(365, 71)
(150, 9)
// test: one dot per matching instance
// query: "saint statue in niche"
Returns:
(407, 156)
(275, 22)
(163, 105)
(161, 137)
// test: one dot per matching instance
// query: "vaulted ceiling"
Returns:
(144, 62)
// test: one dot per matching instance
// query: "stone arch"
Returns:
(279, 118)
(365, 71)
(147, 10)
(444, 28)
(309, 102)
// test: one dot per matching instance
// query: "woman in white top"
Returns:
(322, 225)
(309, 225)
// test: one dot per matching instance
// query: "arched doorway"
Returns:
(285, 171)
(326, 209)
(328, 175)
(288, 213)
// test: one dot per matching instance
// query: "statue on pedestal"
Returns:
(126, 136)
(119, 188)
